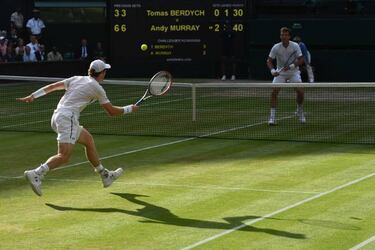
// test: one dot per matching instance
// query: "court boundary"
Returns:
(363, 243)
(279, 211)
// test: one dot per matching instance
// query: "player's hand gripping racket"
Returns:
(159, 84)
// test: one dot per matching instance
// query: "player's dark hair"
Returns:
(286, 29)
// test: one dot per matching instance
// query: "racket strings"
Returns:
(160, 85)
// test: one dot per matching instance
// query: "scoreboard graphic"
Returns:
(174, 34)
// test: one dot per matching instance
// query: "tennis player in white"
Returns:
(288, 56)
(79, 92)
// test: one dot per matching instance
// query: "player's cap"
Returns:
(99, 66)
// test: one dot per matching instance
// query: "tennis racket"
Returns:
(159, 84)
(289, 61)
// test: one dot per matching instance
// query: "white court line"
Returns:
(115, 155)
(168, 143)
(253, 221)
(209, 187)
(364, 243)
(132, 151)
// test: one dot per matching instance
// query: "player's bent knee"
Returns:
(86, 138)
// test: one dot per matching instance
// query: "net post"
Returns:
(194, 102)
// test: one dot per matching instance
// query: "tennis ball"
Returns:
(144, 47)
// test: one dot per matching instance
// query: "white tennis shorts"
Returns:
(65, 123)
(287, 78)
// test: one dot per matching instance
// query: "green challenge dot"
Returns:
(144, 47)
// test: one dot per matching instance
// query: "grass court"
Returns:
(189, 193)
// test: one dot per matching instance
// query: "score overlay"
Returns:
(170, 32)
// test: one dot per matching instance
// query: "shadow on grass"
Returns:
(160, 215)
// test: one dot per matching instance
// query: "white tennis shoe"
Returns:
(301, 116)
(108, 177)
(35, 181)
(272, 121)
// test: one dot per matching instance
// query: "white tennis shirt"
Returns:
(282, 54)
(80, 92)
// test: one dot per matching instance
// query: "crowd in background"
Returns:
(24, 42)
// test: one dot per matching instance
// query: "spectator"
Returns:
(84, 52)
(3, 33)
(28, 56)
(10, 55)
(35, 25)
(3, 45)
(35, 48)
(13, 37)
(99, 52)
(42, 50)
(19, 50)
(54, 55)
(17, 20)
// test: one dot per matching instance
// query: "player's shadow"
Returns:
(156, 214)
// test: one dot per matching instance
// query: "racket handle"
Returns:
(139, 102)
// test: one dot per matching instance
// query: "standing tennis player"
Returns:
(79, 92)
(288, 56)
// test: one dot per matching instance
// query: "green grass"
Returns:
(173, 196)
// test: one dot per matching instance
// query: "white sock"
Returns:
(273, 112)
(99, 169)
(42, 169)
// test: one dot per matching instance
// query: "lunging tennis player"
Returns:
(288, 56)
(79, 92)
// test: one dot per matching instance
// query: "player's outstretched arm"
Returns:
(42, 91)
(116, 110)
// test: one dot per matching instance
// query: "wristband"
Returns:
(273, 71)
(128, 109)
(39, 93)
(292, 66)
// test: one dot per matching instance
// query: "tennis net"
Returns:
(335, 112)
